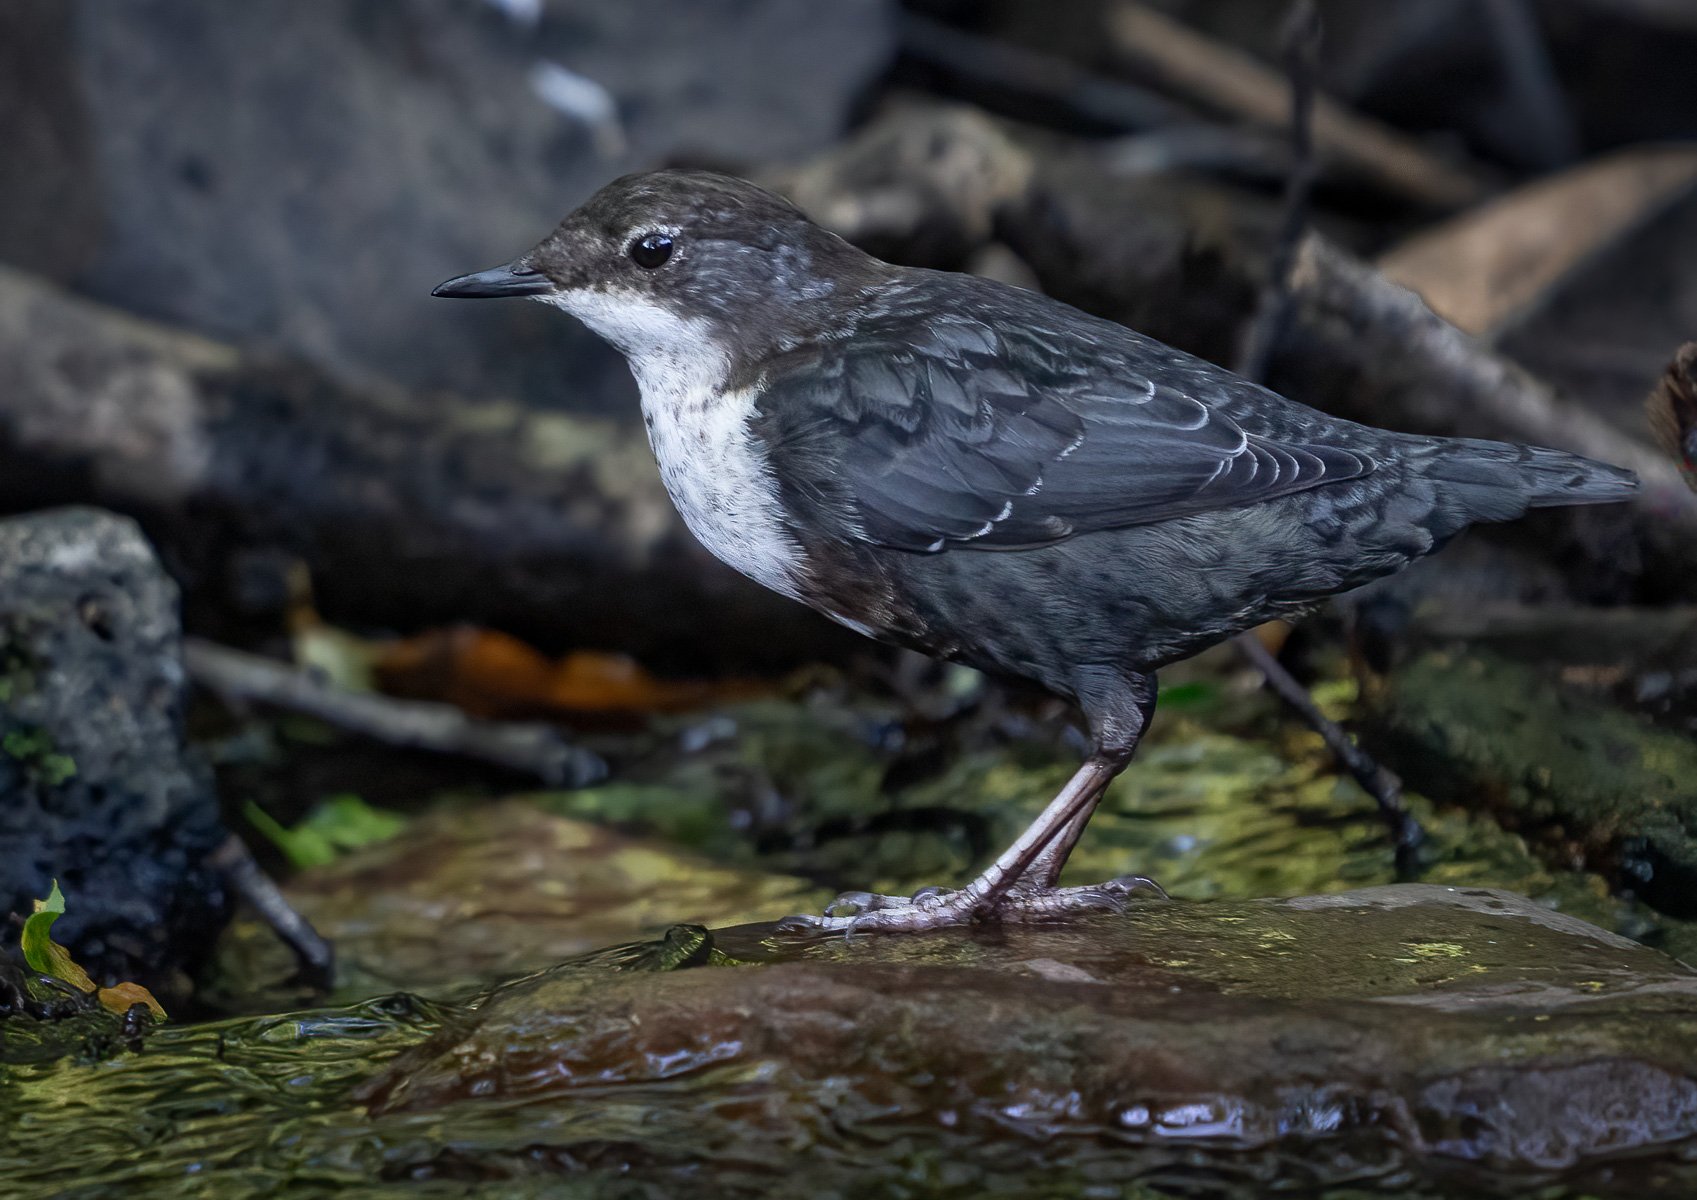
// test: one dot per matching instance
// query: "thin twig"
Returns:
(1254, 153)
(531, 747)
(1272, 311)
(1376, 780)
(314, 955)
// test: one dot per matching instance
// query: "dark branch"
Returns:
(1272, 312)
(1302, 38)
(315, 957)
(530, 747)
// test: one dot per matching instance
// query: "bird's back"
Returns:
(959, 413)
(1008, 480)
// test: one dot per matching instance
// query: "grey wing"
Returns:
(969, 437)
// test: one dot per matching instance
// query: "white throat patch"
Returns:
(699, 433)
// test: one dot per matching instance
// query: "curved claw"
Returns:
(931, 897)
(1125, 885)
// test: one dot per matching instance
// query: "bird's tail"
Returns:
(1498, 481)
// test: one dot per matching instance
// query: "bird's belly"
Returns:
(725, 494)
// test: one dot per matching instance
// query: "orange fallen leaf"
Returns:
(494, 675)
(490, 674)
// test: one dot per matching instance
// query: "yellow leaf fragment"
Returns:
(119, 999)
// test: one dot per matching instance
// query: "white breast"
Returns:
(725, 494)
(701, 436)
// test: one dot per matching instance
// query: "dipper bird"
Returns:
(989, 476)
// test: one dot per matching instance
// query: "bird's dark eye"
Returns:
(651, 250)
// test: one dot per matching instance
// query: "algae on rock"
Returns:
(1594, 786)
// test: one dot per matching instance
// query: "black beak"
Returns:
(513, 279)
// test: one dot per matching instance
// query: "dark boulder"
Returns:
(97, 787)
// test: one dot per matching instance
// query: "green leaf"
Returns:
(25, 744)
(337, 825)
(302, 848)
(347, 822)
(45, 955)
(34, 748)
(54, 904)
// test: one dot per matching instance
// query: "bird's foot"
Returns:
(941, 908)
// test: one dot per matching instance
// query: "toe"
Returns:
(851, 904)
(913, 918)
(871, 912)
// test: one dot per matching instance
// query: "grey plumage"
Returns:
(1146, 503)
(988, 475)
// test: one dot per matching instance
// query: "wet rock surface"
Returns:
(97, 785)
(1399, 1029)
(1412, 1041)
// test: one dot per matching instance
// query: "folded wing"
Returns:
(965, 436)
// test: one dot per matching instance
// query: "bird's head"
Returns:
(656, 262)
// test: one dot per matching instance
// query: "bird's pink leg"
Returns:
(935, 908)
(1020, 884)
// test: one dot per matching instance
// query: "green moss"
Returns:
(17, 674)
(1548, 761)
(34, 750)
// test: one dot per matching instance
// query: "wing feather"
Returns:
(969, 433)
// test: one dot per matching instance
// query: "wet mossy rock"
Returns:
(97, 787)
(1589, 783)
(1397, 1031)
(1410, 1041)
